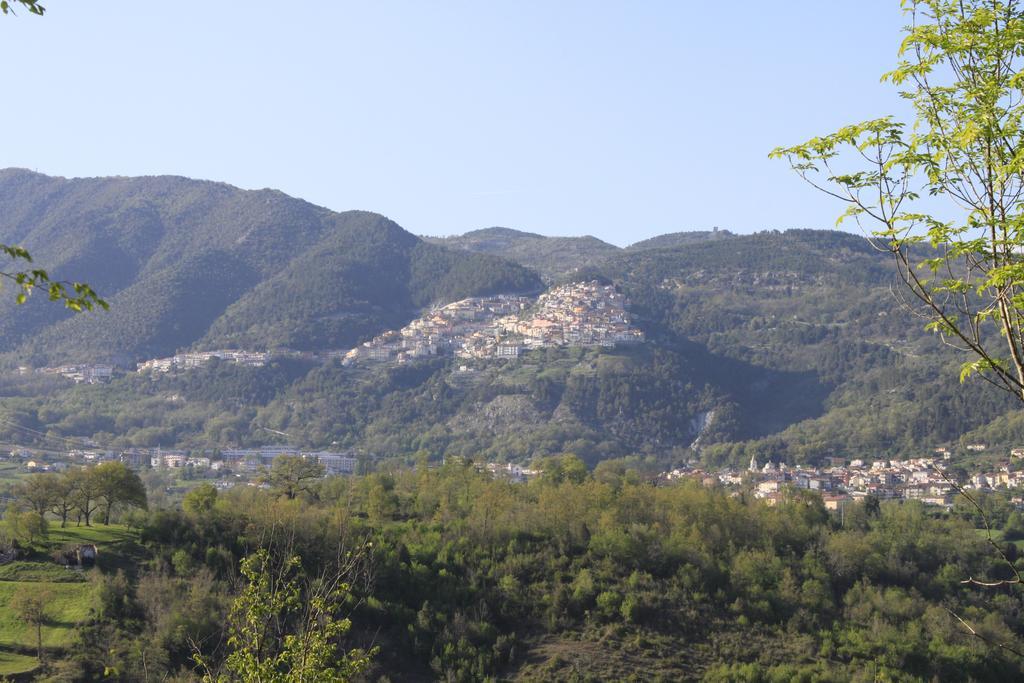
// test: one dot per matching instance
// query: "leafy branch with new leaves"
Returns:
(945, 195)
(32, 6)
(282, 628)
(76, 296)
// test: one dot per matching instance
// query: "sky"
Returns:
(621, 120)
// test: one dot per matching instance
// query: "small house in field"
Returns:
(78, 556)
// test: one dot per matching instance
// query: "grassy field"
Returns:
(70, 603)
(100, 535)
(47, 572)
(12, 663)
(72, 594)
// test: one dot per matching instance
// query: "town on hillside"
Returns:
(840, 482)
(580, 314)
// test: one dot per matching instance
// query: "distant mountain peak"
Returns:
(498, 231)
(678, 239)
(186, 262)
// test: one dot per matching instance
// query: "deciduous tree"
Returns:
(86, 493)
(36, 493)
(116, 485)
(945, 194)
(283, 630)
(63, 491)
(292, 475)
(30, 606)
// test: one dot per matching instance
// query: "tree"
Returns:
(199, 501)
(62, 501)
(945, 196)
(115, 484)
(29, 606)
(292, 475)
(36, 493)
(76, 296)
(280, 630)
(86, 493)
(27, 526)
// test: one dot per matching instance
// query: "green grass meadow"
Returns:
(73, 594)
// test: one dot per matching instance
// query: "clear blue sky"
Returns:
(618, 119)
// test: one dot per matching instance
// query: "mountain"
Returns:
(555, 258)
(563, 258)
(185, 262)
(783, 345)
(820, 303)
(680, 239)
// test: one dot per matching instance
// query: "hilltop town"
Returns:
(581, 314)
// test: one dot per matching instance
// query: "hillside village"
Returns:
(841, 482)
(581, 314)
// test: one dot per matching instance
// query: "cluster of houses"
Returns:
(242, 460)
(577, 314)
(37, 461)
(840, 482)
(253, 459)
(185, 361)
(510, 471)
(79, 374)
(441, 331)
(236, 461)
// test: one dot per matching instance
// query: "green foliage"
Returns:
(958, 250)
(200, 501)
(465, 577)
(294, 475)
(116, 485)
(76, 296)
(32, 6)
(109, 485)
(261, 651)
(28, 527)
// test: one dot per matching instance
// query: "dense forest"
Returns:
(451, 574)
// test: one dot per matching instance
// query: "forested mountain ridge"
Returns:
(187, 262)
(553, 257)
(820, 304)
(782, 345)
(560, 258)
(679, 239)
